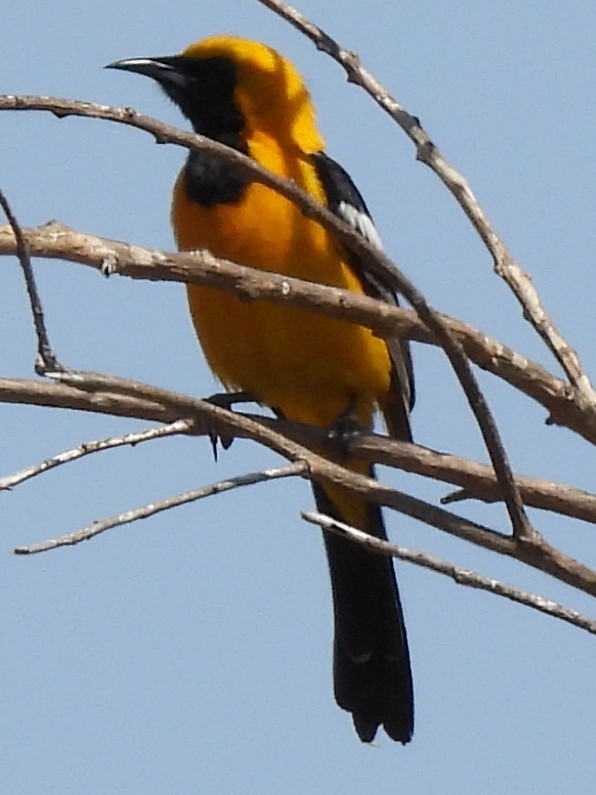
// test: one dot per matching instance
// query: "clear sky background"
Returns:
(192, 653)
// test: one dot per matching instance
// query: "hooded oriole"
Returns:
(304, 366)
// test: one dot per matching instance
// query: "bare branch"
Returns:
(42, 393)
(461, 576)
(375, 260)
(478, 479)
(427, 152)
(94, 529)
(563, 403)
(66, 457)
(46, 358)
(209, 417)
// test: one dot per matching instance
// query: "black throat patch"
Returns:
(207, 101)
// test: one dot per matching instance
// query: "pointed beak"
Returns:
(164, 69)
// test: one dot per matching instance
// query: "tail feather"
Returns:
(371, 664)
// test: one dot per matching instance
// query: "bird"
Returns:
(302, 365)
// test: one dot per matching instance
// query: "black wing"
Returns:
(344, 199)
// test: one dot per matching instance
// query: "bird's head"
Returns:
(225, 86)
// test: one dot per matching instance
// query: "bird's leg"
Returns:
(226, 400)
(345, 429)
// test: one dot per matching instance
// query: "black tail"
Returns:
(371, 663)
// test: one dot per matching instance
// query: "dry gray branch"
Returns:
(479, 479)
(562, 402)
(118, 396)
(471, 579)
(144, 512)
(46, 359)
(86, 448)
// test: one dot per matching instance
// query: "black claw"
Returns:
(214, 438)
(226, 400)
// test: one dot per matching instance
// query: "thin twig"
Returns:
(46, 357)
(94, 529)
(427, 152)
(461, 576)
(66, 457)
(375, 260)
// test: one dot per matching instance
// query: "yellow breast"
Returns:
(310, 367)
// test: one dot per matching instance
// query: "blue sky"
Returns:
(192, 652)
